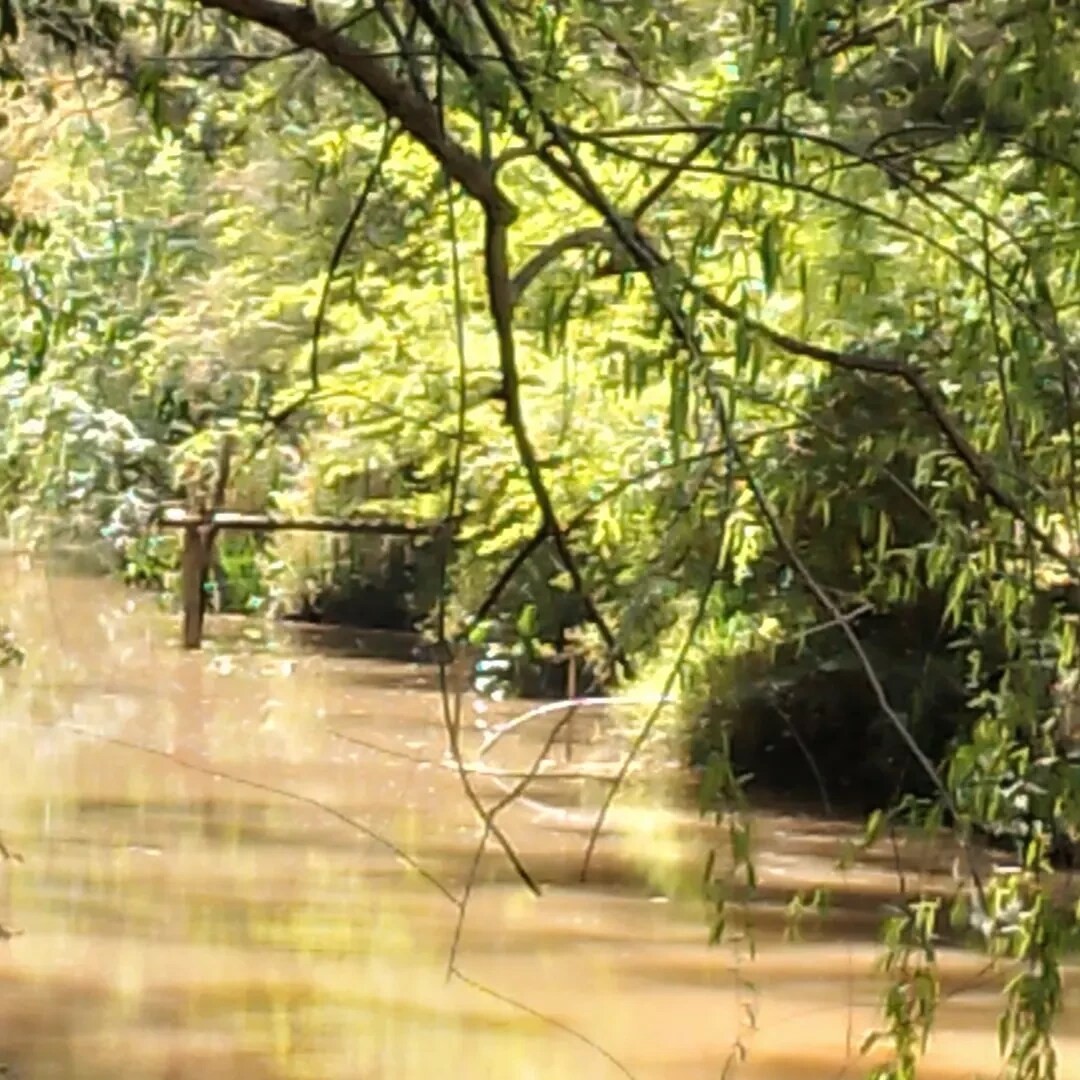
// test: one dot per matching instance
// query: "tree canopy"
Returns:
(726, 329)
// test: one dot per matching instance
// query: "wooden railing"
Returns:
(201, 524)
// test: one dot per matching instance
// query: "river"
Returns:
(233, 864)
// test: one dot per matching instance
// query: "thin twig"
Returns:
(389, 135)
(387, 751)
(293, 796)
(579, 238)
(515, 1003)
(492, 812)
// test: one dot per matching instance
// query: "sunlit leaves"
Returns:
(809, 183)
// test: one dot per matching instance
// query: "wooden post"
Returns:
(199, 552)
(224, 464)
(193, 573)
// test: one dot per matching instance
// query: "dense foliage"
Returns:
(745, 334)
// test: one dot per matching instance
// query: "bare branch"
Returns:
(490, 829)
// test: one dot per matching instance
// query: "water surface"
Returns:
(235, 864)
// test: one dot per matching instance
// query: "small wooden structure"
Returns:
(201, 524)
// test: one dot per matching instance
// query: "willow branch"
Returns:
(686, 165)
(869, 35)
(851, 360)
(446, 41)
(649, 260)
(416, 114)
(452, 710)
(708, 132)
(976, 465)
(404, 46)
(666, 183)
(501, 300)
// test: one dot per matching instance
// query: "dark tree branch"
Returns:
(596, 236)
(404, 45)
(665, 184)
(342, 243)
(446, 41)
(501, 301)
(869, 35)
(401, 101)
(980, 470)
(668, 281)
(255, 59)
(421, 118)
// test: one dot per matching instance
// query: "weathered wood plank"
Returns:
(182, 518)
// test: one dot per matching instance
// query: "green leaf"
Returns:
(770, 256)
(527, 622)
(9, 24)
(940, 48)
(873, 828)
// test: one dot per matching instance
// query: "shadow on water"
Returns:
(207, 889)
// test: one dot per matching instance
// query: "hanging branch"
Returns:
(515, 1003)
(452, 711)
(501, 301)
(343, 239)
(276, 419)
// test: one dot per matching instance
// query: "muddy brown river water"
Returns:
(206, 890)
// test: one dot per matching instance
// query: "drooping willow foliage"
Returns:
(729, 330)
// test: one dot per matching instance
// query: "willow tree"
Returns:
(748, 318)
